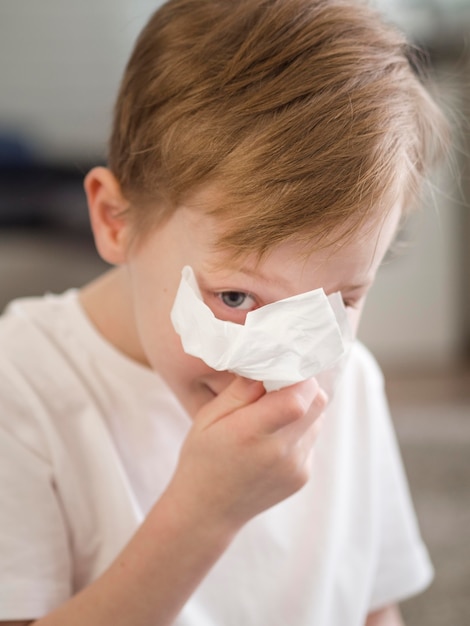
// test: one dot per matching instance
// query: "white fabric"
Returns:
(89, 440)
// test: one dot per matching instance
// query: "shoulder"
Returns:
(32, 353)
(362, 360)
(359, 401)
(362, 370)
(28, 321)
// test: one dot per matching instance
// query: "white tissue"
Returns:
(280, 344)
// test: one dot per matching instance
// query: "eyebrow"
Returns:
(257, 274)
(359, 286)
(279, 280)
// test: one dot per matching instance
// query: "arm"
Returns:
(246, 451)
(388, 616)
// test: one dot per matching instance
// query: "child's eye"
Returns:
(237, 300)
(352, 303)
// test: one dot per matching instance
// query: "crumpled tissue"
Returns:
(280, 343)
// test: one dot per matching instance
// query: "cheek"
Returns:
(188, 378)
(165, 353)
(187, 368)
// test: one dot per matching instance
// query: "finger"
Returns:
(290, 405)
(303, 436)
(240, 393)
(304, 432)
(309, 441)
(315, 413)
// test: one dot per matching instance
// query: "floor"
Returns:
(431, 413)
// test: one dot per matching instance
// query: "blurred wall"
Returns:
(421, 296)
(60, 64)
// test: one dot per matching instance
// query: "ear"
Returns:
(106, 205)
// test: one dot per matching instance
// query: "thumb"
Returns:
(239, 393)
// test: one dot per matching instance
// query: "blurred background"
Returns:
(60, 65)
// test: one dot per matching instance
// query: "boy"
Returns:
(273, 146)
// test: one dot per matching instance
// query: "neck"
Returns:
(107, 303)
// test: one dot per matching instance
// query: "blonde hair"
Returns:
(305, 115)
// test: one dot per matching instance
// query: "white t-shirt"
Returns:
(89, 440)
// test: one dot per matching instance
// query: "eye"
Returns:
(353, 302)
(237, 300)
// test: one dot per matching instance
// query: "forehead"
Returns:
(238, 226)
(346, 258)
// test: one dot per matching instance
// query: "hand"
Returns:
(248, 450)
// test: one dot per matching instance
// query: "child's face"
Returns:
(154, 273)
